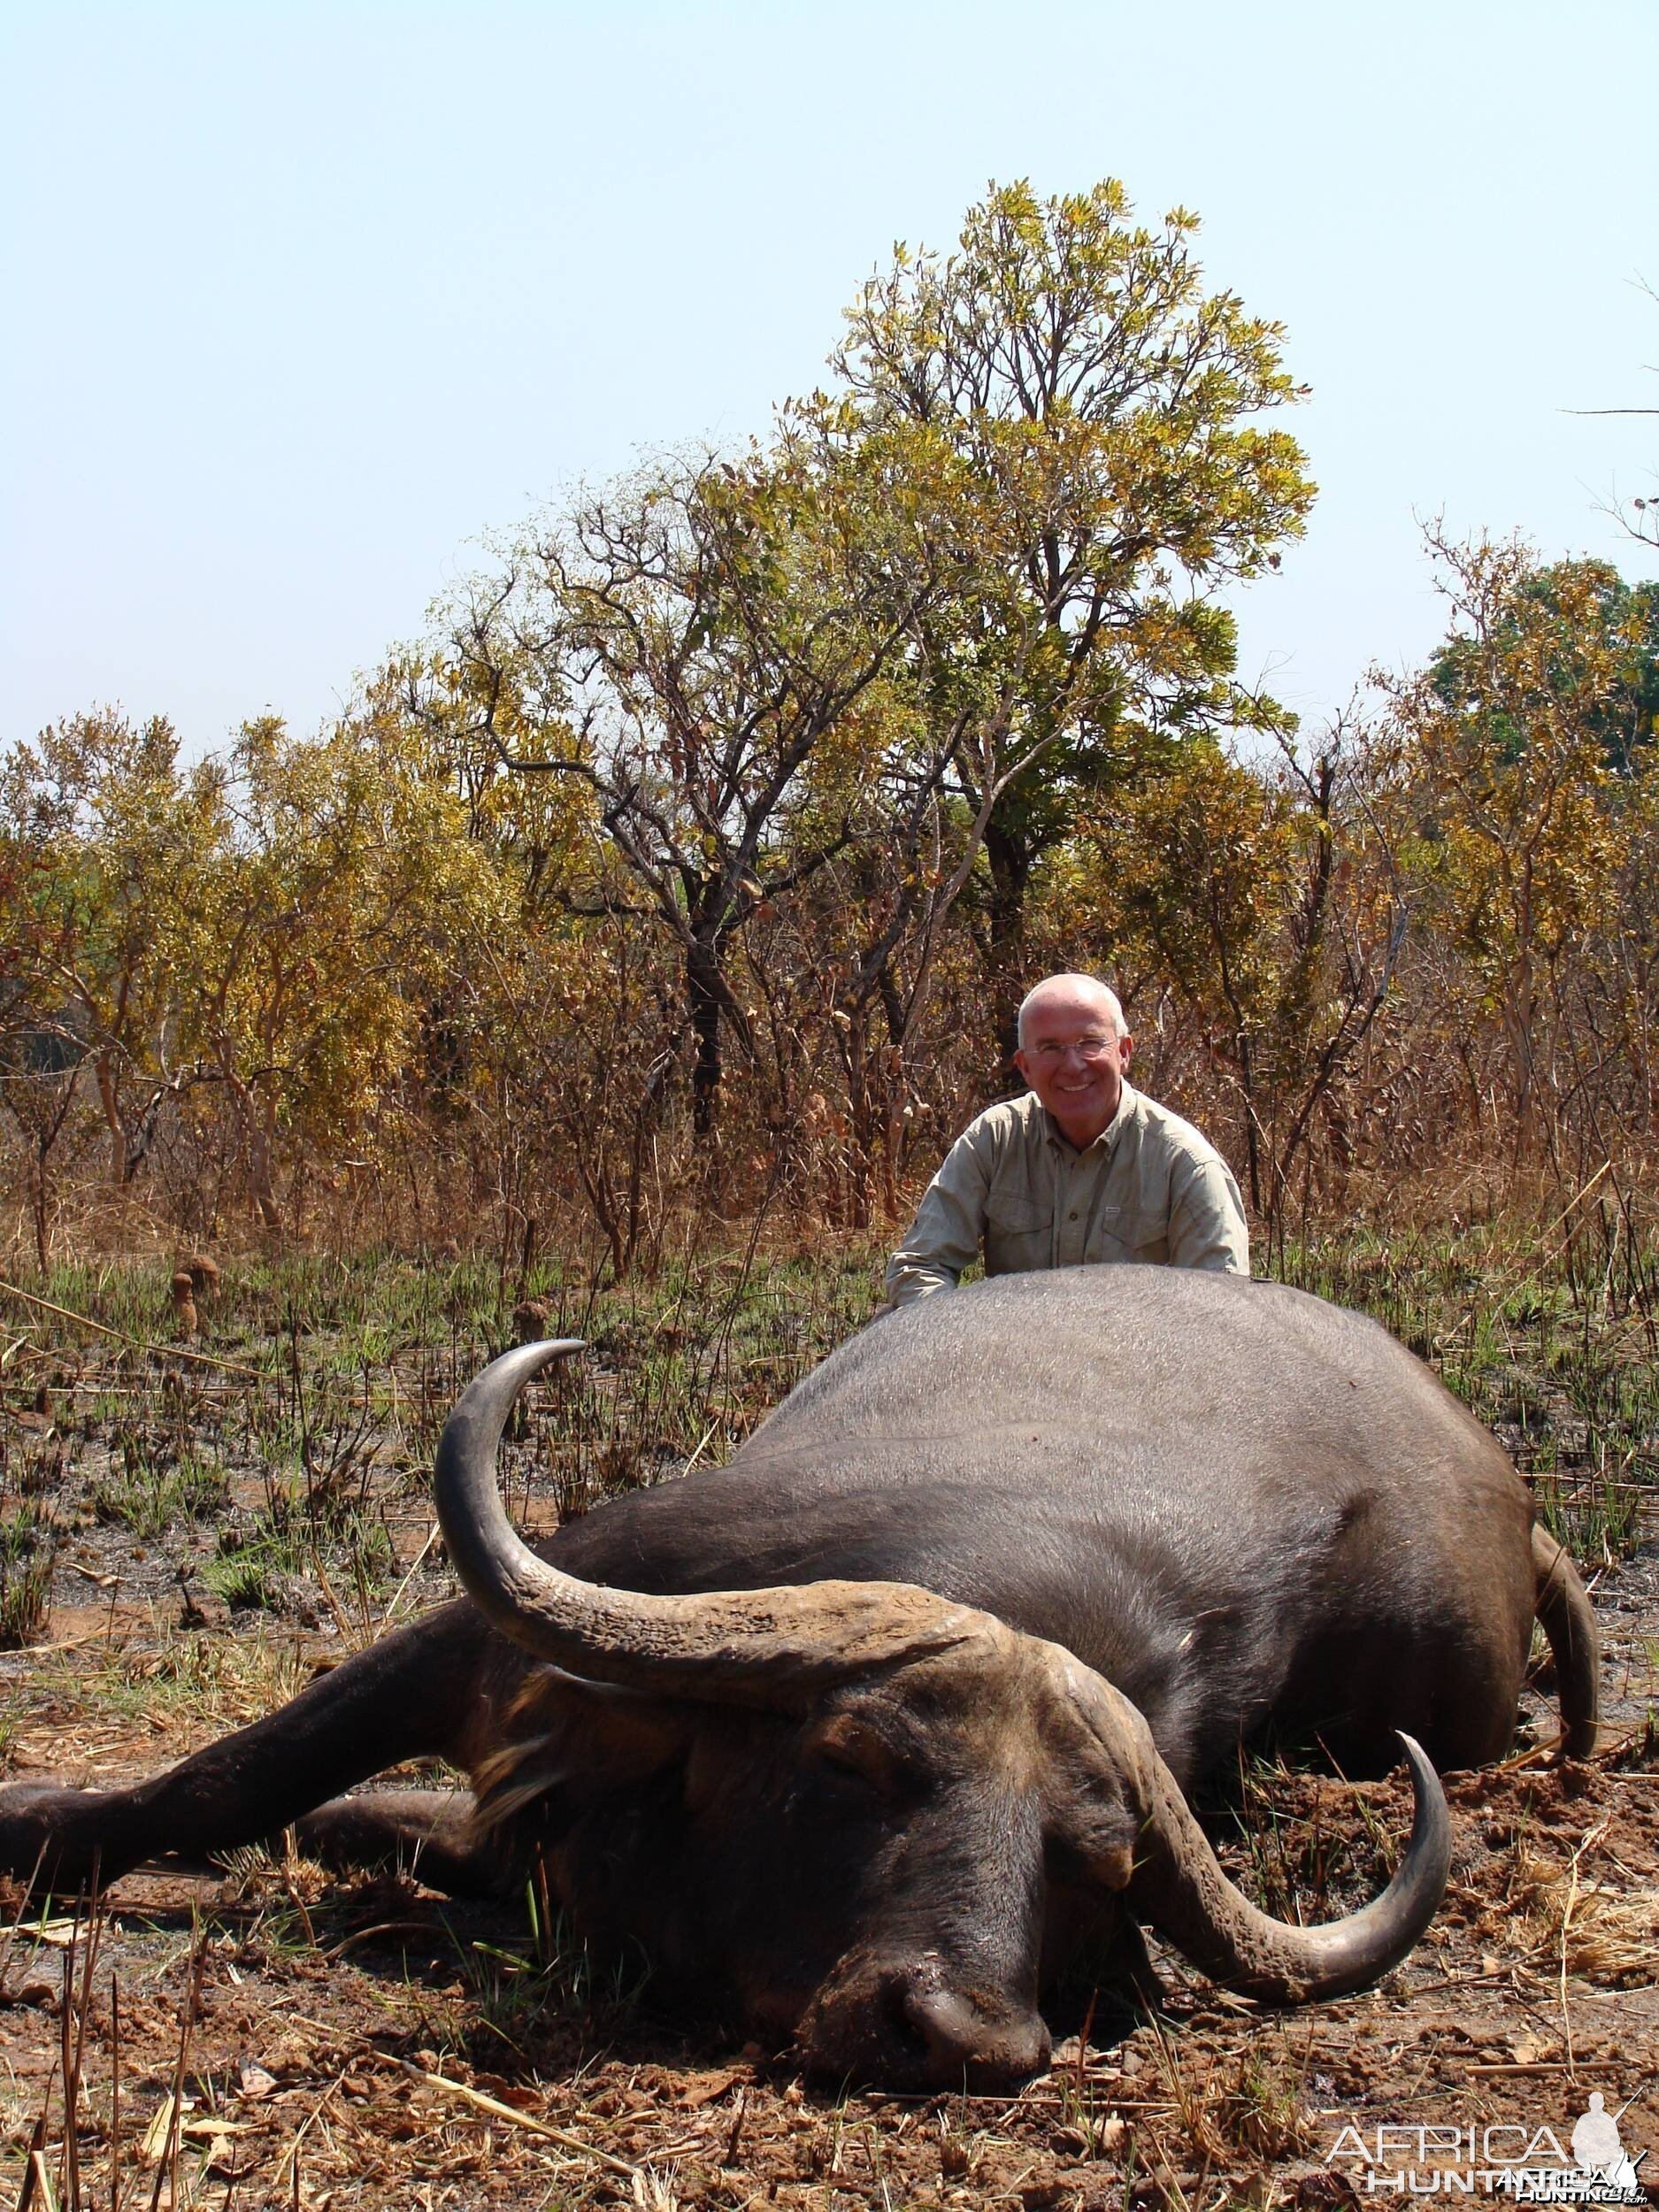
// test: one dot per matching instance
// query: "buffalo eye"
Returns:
(852, 1750)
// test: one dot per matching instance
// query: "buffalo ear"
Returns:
(613, 1734)
(564, 1733)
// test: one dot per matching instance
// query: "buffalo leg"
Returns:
(411, 1695)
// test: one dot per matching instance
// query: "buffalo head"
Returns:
(872, 1819)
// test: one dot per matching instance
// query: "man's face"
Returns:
(1074, 1060)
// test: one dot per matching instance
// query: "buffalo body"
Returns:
(863, 1734)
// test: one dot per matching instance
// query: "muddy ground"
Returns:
(372, 2044)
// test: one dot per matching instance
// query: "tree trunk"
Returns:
(1009, 860)
(264, 1146)
(120, 1165)
(258, 1121)
(862, 1117)
(39, 1195)
(702, 995)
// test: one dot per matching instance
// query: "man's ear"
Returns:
(1126, 1048)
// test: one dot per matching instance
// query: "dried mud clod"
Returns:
(529, 1320)
(185, 1320)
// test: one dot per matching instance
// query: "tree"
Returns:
(998, 534)
(112, 838)
(344, 892)
(691, 648)
(42, 1054)
(48, 904)
(1089, 416)
(1512, 760)
(126, 836)
(1622, 715)
(1262, 904)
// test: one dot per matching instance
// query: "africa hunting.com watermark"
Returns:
(1526, 2164)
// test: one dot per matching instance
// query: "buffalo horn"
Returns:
(767, 1647)
(1179, 1887)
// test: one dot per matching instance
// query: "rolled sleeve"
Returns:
(1207, 1225)
(945, 1236)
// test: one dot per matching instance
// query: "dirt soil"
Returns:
(374, 2045)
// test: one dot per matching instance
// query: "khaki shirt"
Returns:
(1149, 1187)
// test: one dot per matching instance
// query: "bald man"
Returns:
(1082, 1169)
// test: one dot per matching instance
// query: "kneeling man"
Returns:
(1081, 1169)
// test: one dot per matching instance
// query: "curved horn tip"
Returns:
(519, 1362)
(1197, 1906)
(480, 1414)
(482, 1543)
(1430, 1839)
(1424, 1777)
(550, 1347)
(1416, 1758)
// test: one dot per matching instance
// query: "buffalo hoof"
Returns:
(424, 1834)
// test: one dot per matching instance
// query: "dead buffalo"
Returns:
(860, 1734)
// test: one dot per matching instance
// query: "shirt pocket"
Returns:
(1018, 1234)
(1130, 1234)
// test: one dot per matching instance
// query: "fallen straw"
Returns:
(499, 2111)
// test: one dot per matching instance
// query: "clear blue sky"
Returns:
(301, 299)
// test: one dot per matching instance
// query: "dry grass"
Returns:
(396, 2050)
(370, 2046)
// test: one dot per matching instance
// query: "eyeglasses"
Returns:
(1093, 1047)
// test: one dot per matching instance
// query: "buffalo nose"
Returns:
(991, 2048)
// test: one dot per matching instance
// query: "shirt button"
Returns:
(1072, 1215)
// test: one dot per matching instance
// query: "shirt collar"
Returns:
(1107, 1141)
